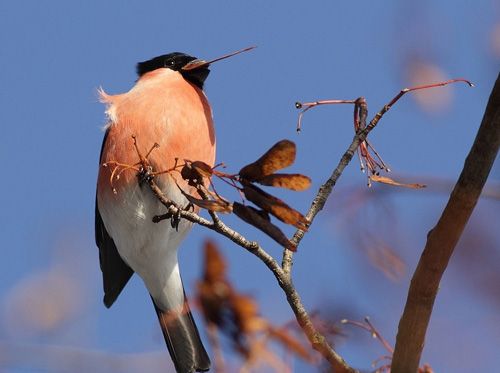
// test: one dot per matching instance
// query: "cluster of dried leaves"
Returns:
(262, 171)
(199, 175)
(236, 315)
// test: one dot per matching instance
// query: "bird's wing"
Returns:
(115, 272)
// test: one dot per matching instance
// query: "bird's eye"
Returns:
(172, 63)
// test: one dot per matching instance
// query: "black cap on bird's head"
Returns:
(191, 68)
(177, 61)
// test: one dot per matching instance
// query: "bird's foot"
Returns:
(145, 175)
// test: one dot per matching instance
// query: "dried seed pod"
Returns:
(389, 181)
(254, 217)
(296, 182)
(203, 169)
(281, 155)
(211, 205)
(275, 206)
(216, 205)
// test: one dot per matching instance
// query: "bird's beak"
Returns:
(196, 64)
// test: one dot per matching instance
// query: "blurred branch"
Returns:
(442, 239)
(326, 189)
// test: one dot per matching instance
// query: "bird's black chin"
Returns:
(196, 76)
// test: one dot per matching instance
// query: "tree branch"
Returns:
(283, 273)
(318, 341)
(326, 189)
(362, 131)
(442, 239)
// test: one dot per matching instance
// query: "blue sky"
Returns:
(54, 56)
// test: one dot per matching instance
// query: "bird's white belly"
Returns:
(150, 249)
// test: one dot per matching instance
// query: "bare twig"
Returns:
(442, 239)
(361, 109)
(369, 327)
(325, 190)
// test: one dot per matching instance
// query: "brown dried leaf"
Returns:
(211, 302)
(213, 289)
(211, 205)
(215, 266)
(194, 172)
(263, 214)
(202, 168)
(296, 182)
(281, 155)
(237, 315)
(246, 314)
(290, 342)
(389, 181)
(218, 205)
(254, 217)
(275, 206)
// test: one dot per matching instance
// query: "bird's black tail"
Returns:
(183, 340)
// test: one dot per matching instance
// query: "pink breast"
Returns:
(162, 108)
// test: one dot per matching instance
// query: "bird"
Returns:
(166, 116)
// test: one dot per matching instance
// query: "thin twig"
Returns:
(369, 327)
(326, 189)
(379, 336)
